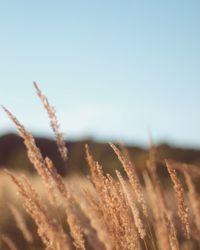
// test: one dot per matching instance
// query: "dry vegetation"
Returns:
(100, 211)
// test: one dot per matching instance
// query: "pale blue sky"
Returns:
(112, 69)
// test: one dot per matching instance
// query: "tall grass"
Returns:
(102, 211)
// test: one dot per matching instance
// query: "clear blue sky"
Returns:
(112, 69)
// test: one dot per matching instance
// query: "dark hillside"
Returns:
(13, 154)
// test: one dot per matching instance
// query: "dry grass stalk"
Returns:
(83, 219)
(116, 213)
(136, 215)
(21, 224)
(172, 233)
(45, 168)
(125, 151)
(133, 178)
(54, 123)
(98, 179)
(152, 167)
(33, 151)
(101, 185)
(160, 228)
(182, 208)
(91, 206)
(5, 239)
(194, 200)
(151, 163)
(71, 206)
(95, 169)
(50, 232)
(56, 179)
(34, 154)
(76, 232)
(157, 201)
(123, 223)
(191, 169)
(93, 203)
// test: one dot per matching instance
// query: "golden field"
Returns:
(99, 211)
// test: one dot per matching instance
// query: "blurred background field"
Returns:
(13, 155)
